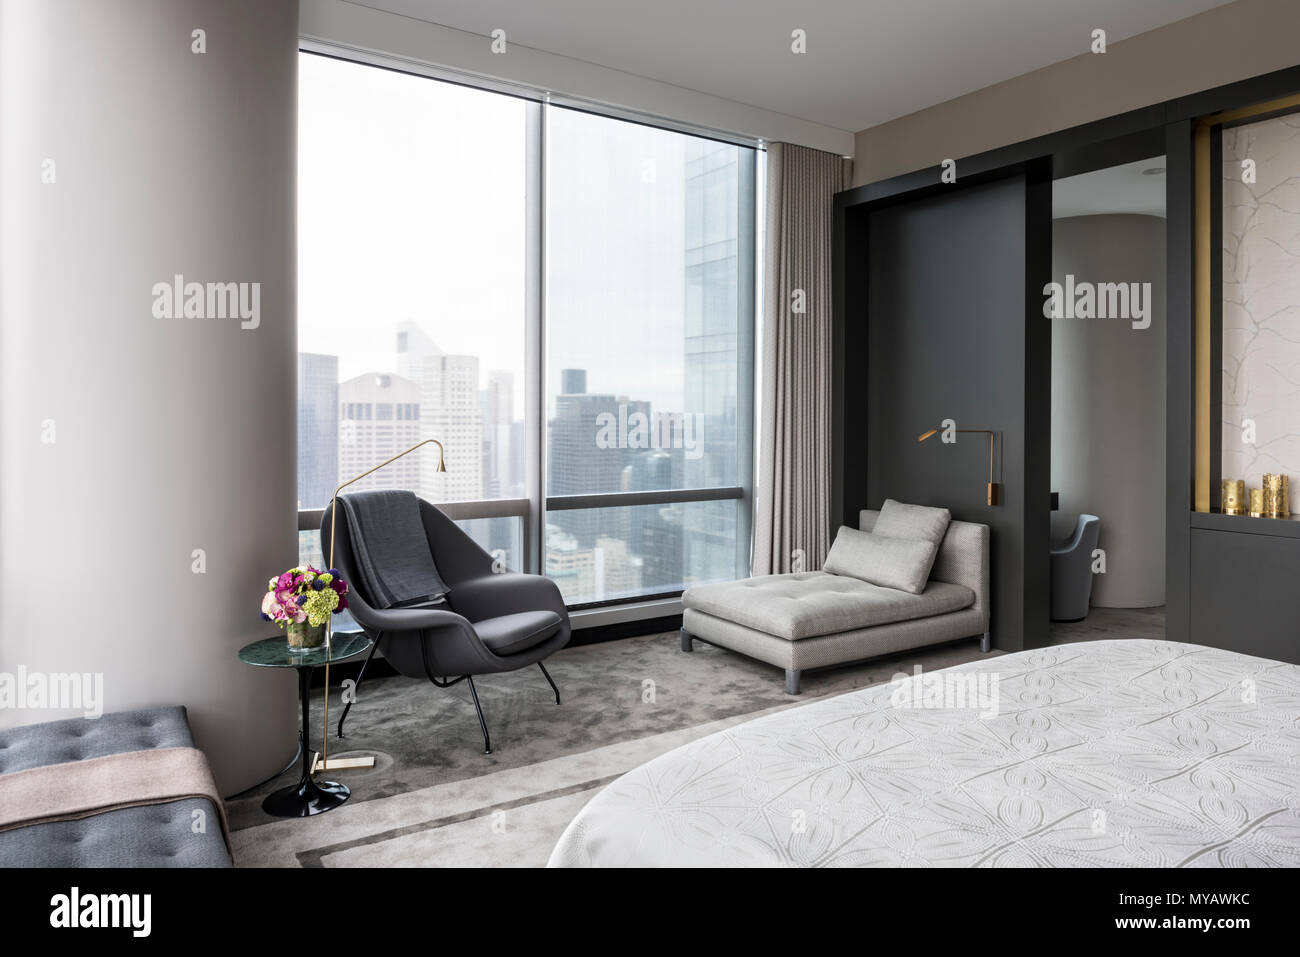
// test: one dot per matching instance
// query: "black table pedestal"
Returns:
(308, 797)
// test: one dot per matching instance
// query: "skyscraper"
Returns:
(449, 412)
(707, 548)
(585, 454)
(318, 423)
(379, 416)
(497, 405)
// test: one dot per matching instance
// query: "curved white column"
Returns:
(148, 464)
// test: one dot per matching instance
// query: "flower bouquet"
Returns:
(302, 600)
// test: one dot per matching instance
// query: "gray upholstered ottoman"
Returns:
(158, 835)
(816, 619)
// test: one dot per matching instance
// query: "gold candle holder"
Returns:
(1233, 499)
(1257, 503)
(1276, 496)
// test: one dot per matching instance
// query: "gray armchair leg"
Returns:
(985, 643)
(792, 680)
(550, 682)
(487, 742)
(686, 641)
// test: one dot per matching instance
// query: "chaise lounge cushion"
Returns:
(809, 604)
(888, 562)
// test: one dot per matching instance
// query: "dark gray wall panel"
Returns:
(948, 302)
(1245, 591)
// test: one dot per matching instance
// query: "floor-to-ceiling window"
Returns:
(573, 321)
(646, 352)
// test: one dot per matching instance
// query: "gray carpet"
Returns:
(1103, 623)
(433, 799)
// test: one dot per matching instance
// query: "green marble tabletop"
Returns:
(276, 653)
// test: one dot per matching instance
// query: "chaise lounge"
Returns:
(819, 619)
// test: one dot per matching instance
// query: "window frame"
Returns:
(533, 508)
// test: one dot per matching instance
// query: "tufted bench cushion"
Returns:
(160, 835)
(809, 604)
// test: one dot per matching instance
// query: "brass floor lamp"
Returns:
(994, 489)
(365, 762)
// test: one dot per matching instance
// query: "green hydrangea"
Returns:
(320, 605)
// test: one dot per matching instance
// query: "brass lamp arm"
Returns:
(992, 487)
(442, 467)
(334, 519)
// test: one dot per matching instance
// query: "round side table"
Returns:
(308, 796)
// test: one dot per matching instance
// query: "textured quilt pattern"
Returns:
(1098, 754)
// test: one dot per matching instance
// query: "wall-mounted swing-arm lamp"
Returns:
(323, 764)
(994, 489)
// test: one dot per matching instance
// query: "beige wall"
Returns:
(131, 441)
(1226, 44)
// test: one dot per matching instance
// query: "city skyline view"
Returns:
(414, 310)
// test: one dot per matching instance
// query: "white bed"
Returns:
(1107, 753)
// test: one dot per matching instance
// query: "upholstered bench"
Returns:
(155, 835)
(817, 619)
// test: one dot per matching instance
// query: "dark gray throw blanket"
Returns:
(393, 559)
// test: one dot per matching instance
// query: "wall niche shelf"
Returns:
(1276, 527)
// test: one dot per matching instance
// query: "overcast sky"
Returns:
(411, 206)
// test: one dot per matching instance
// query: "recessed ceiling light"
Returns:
(1154, 171)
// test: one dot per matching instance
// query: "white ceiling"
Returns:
(1116, 189)
(867, 61)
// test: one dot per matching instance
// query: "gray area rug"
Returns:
(433, 799)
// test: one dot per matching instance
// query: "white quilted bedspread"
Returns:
(1107, 753)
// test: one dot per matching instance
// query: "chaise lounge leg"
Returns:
(792, 680)
(985, 643)
(550, 682)
(487, 743)
(686, 641)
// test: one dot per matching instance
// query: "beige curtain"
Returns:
(792, 502)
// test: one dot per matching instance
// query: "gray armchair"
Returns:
(1072, 571)
(490, 622)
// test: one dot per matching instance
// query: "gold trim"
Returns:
(1245, 112)
(1202, 259)
(1202, 420)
